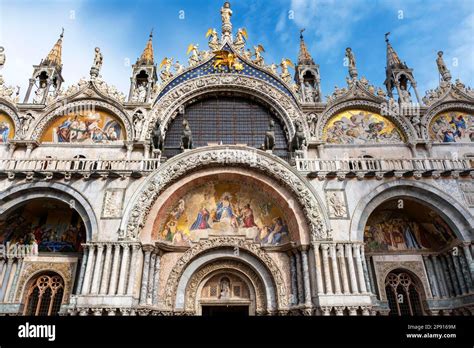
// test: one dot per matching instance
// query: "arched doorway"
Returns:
(45, 295)
(404, 293)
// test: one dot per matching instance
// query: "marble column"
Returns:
(352, 274)
(15, 280)
(431, 276)
(342, 265)
(360, 271)
(447, 276)
(317, 264)
(6, 278)
(307, 284)
(453, 273)
(335, 269)
(466, 273)
(371, 274)
(82, 271)
(151, 274)
(146, 269)
(468, 257)
(366, 271)
(442, 284)
(97, 269)
(299, 276)
(294, 281)
(106, 273)
(90, 266)
(133, 269)
(2, 264)
(459, 273)
(156, 279)
(122, 284)
(115, 269)
(327, 274)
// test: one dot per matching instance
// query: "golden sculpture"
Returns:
(166, 73)
(213, 39)
(227, 59)
(194, 58)
(285, 75)
(258, 55)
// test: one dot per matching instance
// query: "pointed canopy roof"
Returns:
(147, 56)
(393, 61)
(304, 57)
(54, 56)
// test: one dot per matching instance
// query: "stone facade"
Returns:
(121, 188)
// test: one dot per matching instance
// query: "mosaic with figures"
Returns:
(7, 130)
(86, 128)
(223, 208)
(361, 127)
(452, 127)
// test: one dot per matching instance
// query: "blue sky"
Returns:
(28, 30)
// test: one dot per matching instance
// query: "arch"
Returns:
(400, 281)
(45, 294)
(139, 207)
(224, 248)
(437, 109)
(166, 107)
(17, 194)
(455, 215)
(11, 113)
(405, 127)
(43, 122)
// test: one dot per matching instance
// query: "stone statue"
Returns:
(2, 57)
(224, 288)
(240, 38)
(351, 63)
(178, 68)
(25, 122)
(269, 143)
(405, 96)
(213, 39)
(247, 54)
(416, 122)
(312, 120)
(187, 137)
(138, 119)
(226, 14)
(39, 93)
(443, 70)
(338, 208)
(165, 65)
(139, 94)
(98, 59)
(194, 57)
(273, 68)
(310, 93)
(285, 75)
(157, 137)
(258, 55)
(299, 139)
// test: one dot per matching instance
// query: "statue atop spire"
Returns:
(226, 14)
(351, 63)
(304, 57)
(443, 70)
(54, 56)
(399, 76)
(147, 57)
(97, 65)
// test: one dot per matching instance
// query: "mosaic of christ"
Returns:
(222, 208)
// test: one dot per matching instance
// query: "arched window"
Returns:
(403, 294)
(45, 295)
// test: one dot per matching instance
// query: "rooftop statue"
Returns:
(213, 39)
(351, 63)
(443, 70)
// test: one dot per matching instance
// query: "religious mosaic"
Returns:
(7, 129)
(223, 208)
(394, 230)
(52, 225)
(361, 127)
(95, 127)
(452, 127)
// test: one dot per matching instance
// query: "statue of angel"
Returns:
(213, 39)
(285, 75)
(165, 65)
(240, 38)
(258, 55)
(193, 50)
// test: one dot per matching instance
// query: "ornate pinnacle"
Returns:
(147, 56)
(304, 57)
(54, 56)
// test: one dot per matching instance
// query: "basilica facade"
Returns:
(231, 184)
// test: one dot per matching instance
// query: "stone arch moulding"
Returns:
(222, 248)
(166, 107)
(437, 109)
(406, 128)
(10, 111)
(459, 219)
(142, 201)
(14, 195)
(45, 120)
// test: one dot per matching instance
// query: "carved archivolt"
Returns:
(13, 116)
(403, 125)
(228, 156)
(166, 107)
(432, 112)
(85, 104)
(32, 269)
(220, 242)
(225, 265)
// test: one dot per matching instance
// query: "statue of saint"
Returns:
(351, 63)
(405, 96)
(39, 93)
(187, 137)
(138, 119)
(98, 59)
(269, 143)
(157, 137)
(443, 70)
(140, 93)
(226, 14)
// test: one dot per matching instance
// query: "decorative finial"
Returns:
(62, 33)
(386, 37)
(301, 33)
(151, 33)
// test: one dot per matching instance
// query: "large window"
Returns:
(45, 295)
(226, 120)
(403, 294)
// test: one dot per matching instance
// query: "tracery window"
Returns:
(403, 294)
(45, 295)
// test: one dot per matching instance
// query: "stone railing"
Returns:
(380, 167)
(48, 167)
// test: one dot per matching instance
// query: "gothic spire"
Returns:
(392, 57)
(147, 56)
(54, 56)
(304, 58)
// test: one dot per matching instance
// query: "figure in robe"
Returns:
(278, 231)
(410, 239)
(4, 132)
(248, 218)
(224, 209)
(201, 222)
(64, 130)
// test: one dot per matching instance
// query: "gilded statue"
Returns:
(213, 39)
(166, 73)
(258, 55)
(193, 50)
(285, 75)
(227, 59)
